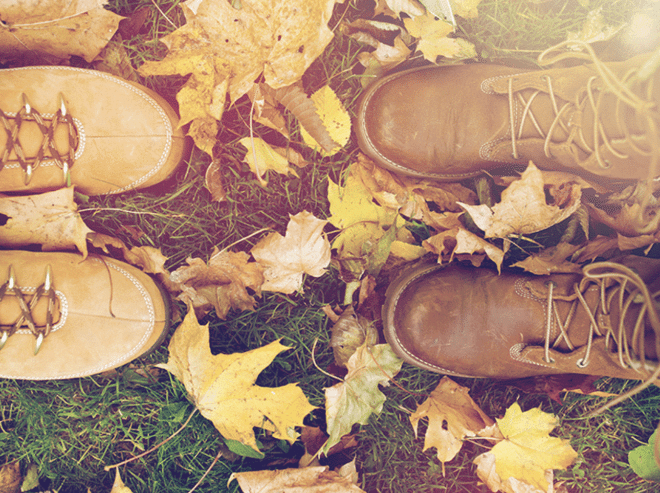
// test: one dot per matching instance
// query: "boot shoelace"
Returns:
(25, 319)
(47, 149)
(645, 109)
(617, 284)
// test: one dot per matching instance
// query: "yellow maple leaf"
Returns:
(334, 117)
(262, 157)
(465, 8)
(226, 49)
(303, 250)
(450, 404)
(432, 34)
(223, 389)
(527, 449)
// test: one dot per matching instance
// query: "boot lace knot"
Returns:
(14, 151)
(27, 305)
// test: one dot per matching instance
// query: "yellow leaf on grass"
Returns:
(433, 38)
(50, 219)
(303, 250)
(527, 449)
(234, 46)
(449, 404)
(118, 486)
(523, 208)
(334, 117)
(465, 8)
(263, 157)
(223, 389)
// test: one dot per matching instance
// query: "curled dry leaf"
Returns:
(118, 486)
(261, 157)
(350, 332)
(358, 397)
(55, 27)
(49, 219)
(10, 478)
(222, 283)
(317, 479)
(523, 208)
(452, 415)
(458, 241)
(487, 472)
(213, 181)
(303, 250)
(223, 389)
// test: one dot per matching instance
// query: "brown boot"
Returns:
(453, 122)
(475, 323)
(61, 125)
(62, 317)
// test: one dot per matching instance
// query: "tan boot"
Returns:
(61, 125)
(62, 317)
(453, 122)
(472, 322)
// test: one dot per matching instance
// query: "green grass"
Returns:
(71, 429)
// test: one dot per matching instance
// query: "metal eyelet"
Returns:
(551, 283)
(581, 363)
(606, 164)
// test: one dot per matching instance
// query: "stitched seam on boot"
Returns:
(168, 125)
(486, 149)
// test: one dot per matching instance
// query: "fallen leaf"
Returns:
(317, 479)
(452, 415)
(225, 49)
(261, 157)
(266, 110)
(350, 332)
(551, 260)
(528, 450)
(114, 60)
(357, 397)
(458, 241)
(223, 389)
(465, 8)
(118, 486)
(213, 181)
(49, 219)
(10, 478)
(303, 250)
(593, 30)
(410, 7)
(523, 208)
(486, 470)
(55, 27)
(151, 260)
(222, 283)
(433, 41)
(642, 460)
(334, 118)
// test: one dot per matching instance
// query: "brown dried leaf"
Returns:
(450, 404)
(551, 260)
(49, 219)
(309, 479)
(221, 284)
(459, 240)
(523, 208)
(213, 181)
(10, 478)
(303, 108)
(55, 27)
(114, 60)
(266, 109)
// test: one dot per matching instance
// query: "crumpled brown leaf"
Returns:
(50, 219)
(56, 28)
(221, 283)
(458, 241)
(450, 404)
(523, 208)
(317, 479)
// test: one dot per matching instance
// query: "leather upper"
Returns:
(127, 134)
(108, 313)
